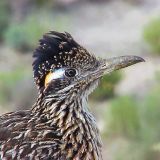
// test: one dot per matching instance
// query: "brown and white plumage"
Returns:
(59, 126)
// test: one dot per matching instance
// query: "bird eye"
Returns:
(70, 72)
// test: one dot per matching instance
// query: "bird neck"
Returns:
(73, 120)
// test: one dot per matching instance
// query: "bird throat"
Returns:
(73, 123)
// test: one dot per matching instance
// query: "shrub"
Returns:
(25, 35)
(4, 17)
(124, 117)
(42, 3)
(137, 123)
(129, 117)
(106, 88)
(150, 111)
(152, 35)
(8, 80)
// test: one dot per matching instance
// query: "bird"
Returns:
(60, 125)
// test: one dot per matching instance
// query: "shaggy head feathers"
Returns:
(57, 50)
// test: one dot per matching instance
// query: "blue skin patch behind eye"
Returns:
(59, 73)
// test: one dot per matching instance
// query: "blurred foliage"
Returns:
(24, 36)
(42, 3)
(4, 17)
(7, 81)
(106, 88)
(136, 151)
(138, 123)
(152, 34)
(151, 115)
(124, 117)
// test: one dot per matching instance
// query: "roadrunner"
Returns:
(59, 126)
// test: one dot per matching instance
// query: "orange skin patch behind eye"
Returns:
(48, 78)
(54, 75)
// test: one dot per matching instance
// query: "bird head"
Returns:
(61, 64)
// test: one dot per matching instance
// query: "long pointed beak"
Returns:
(117, 63)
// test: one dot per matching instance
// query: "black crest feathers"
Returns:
(55, 50)
(51, 54)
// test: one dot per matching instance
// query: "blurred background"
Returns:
(127, 103)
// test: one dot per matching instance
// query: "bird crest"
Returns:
(59, 125)
(57, 50)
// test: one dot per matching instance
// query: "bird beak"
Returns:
(117, 63)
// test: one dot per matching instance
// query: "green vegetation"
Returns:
(42, 3)
(24, 36)
(4, 17)
(124, 117)
(137, 124)
(150, 112)
(7, 81)
(107, 86)
(132, 125)
(152, 34)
